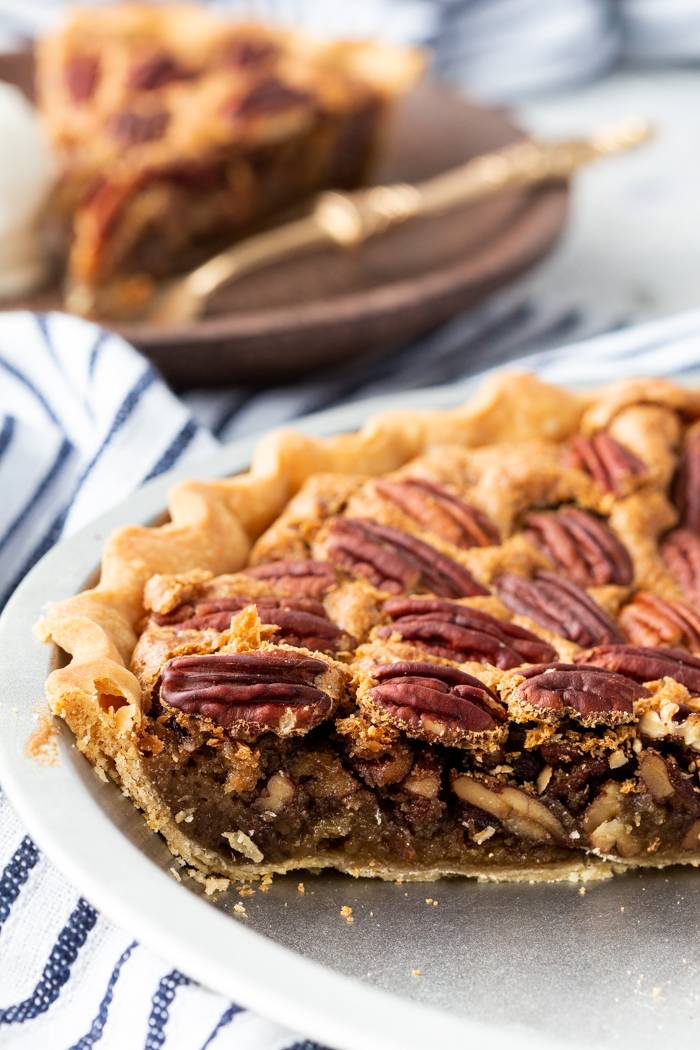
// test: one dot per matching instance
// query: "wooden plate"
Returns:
(333, 305)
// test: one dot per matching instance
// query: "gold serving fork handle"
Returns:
(348, 219)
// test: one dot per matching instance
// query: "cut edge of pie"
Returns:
(183, 655)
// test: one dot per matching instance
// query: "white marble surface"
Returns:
(632, 248)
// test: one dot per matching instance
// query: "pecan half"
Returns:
(685, 488)
(432, 702)
(81, 75)
(456, 632)
(441, 512)
(156, 72)
(560, 606)
(605, 459)
(305, 577)
(646, 664)
(136, 128)
(301, 622)
(681, 553)
(268, 97)
(397, 562)
(249, 693)
(581, 547)
(652, 621)
(245, 52)
(519, 813)
(591, 695)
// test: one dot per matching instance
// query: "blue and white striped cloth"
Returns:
(84, 420)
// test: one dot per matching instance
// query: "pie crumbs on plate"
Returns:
(463, 641)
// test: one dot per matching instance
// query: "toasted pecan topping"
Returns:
(605, 459)
(268, 97)
(156, 72)
(686, 483)
(456, 632)
(440, 511)
(305, 578)
(397, 562)
(136, 128)
(81, 74)
(581, 547)
(592, 695)
(646, 663)
(301, 622)
(432, 702)
(560, 606)
(652, 621)
(681, 553)
(248, 693)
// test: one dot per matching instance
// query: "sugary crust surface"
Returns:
(502, 453)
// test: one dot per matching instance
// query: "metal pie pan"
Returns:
(500, 966)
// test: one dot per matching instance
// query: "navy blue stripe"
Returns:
(160, 1008)
(43, 326)
(16, 874)
(46, 482)
(306, 1044)
(174, 450)
(57, 970)
(146, 380)
(30, 386)
(98, 1025)
(6, 434)
(51, 536)
(54, 531)
(94, 353)
(226, 1018)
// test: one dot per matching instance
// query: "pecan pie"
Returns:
(178, 130)
(457, 642)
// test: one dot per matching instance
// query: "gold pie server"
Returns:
(347, 219)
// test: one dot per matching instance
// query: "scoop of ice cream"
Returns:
(25, 177)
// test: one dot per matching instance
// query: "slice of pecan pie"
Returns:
(178, 130)
(457, 642)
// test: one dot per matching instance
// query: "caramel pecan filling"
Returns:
(456, 632)
(397, 562)
(580, 546)
(248, 693)
(440, 511)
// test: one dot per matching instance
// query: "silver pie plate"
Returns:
(501, 966)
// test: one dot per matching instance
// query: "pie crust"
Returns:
(455, 642)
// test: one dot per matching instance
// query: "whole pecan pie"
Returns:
(470, 645)
(178, 130)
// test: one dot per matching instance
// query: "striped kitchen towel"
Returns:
(84, 420)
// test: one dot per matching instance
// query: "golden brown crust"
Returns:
(501, 453)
